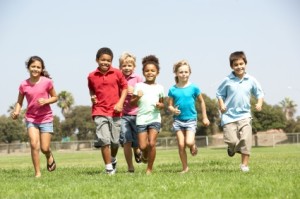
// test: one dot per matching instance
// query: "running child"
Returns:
(182, 100)
(39, 92)
(233, 96)
(149, 97)
(128, 136)
(108, 90)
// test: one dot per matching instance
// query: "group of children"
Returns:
(126, 109)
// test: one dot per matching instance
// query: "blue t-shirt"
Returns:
(236, 94)
(184, 99)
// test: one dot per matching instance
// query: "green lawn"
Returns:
(275, 173)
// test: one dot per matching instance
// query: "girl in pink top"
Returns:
(39, 93)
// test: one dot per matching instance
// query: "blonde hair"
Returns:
(178, 65)
(127, 58)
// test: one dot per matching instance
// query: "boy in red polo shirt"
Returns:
(108, 90)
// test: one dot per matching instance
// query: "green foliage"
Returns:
(11, 130)
(65, 102)
(270, 117)
(79, 121)
(57, 135)
(212, 175)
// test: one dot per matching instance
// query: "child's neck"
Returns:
(34, 80)
(183, 84)
(149, 82)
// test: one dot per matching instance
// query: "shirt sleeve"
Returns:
(221, 91)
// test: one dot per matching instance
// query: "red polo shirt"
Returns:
(107, 87)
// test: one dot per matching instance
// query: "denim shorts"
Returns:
(145, 128)
(129, 130)
(43, 128)
(184, 125)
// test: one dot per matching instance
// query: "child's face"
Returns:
(35, 69)
(127, 68)
(183, 73)
(239, 68)
(150, 73)
(104, 62)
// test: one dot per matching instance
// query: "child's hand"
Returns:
(94, 99)
(223, 109)
(130, 90)
(140, 94)
(159, 105)
(176, 111)
(258, 106)
(205, 122)
(14, 115)
(42, 101)
(118, 107)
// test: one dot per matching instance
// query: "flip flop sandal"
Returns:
(138, 157)
(51, 167)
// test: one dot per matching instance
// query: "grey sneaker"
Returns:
(230, 152)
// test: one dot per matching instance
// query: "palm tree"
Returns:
(289, 108)
(65, 102)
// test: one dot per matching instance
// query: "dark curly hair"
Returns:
(151, 59)
(106, 51)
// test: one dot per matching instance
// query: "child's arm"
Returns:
(259, 104)
(160, 105)
(51, 100)
(171, 107)
(16, 112)
(205, 120)
(221, 105)
(120, 103)
(135, 98)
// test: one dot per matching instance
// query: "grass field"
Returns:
(275, 173)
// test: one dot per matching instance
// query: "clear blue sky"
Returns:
(67, 35)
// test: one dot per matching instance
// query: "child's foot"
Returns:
(244, 168)
(138, 157)
(52, 166)
(230, 152)
(38, 175)
(194, 150)
(184, 171)
(148, 172)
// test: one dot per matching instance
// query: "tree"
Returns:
(270, 117)
(79, 121)
(65, 102)
(288, 107)
(11, 130)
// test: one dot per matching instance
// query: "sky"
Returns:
(67, 35)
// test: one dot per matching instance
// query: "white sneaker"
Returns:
(110, 172)
(244, 168)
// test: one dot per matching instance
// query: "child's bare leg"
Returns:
(128, 156)
(143, 144)
(190, 142)
(151, 150)
(34, 136)
(181, 150)
(245, 159)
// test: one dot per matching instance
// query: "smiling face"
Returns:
(127, 67)
(183, 73)
(35, 69)
(239, 68)
(104, 62)
(150, 73)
